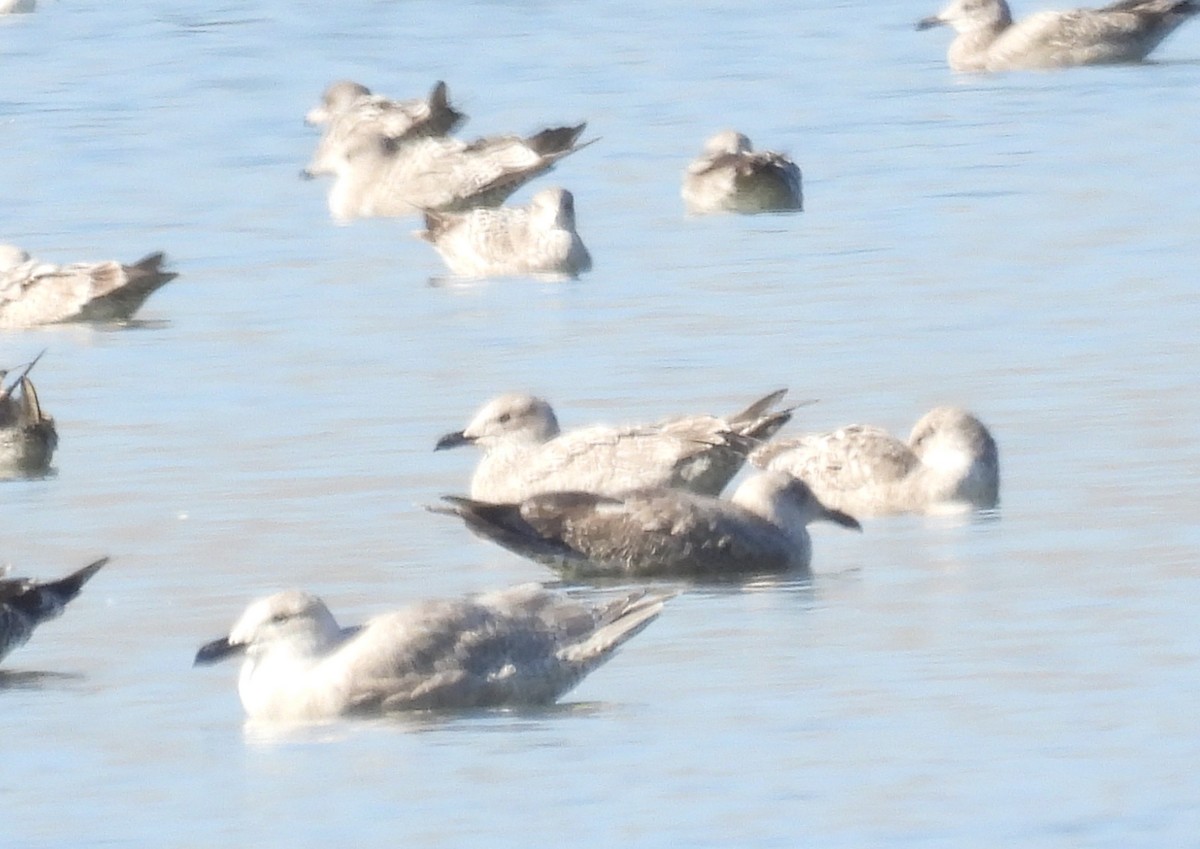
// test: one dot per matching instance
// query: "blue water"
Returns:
(1022, 245)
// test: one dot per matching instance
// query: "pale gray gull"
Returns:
(520, 646)
(949, 464)
(34, 292)
(539, 238)
(659, 531)
(988, 39)
(380, 177)
(525, 452)
(26, 604)
(730, 176)
(28, 436)
(348, 110)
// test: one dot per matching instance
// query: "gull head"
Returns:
(957, 448)
(292, 619)
(728, 142)
(553, 208)
(338, 98)
(510, 418)
(11, 256)
(970, 16)
(788, 502)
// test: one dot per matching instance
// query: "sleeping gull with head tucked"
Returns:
(25, 604)
(730, 176)
(521, 646)
(659, 531)
(949, 464)
(538, 238)
(33, 292)
(525, 453)
(348, 110)
(989, 40)
(377, 176)
(28, 436)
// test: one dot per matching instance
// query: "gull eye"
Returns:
(280, 617)
(504, 418)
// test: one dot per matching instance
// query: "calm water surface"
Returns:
(1023, 245)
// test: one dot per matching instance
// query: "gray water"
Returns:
(1022, 245)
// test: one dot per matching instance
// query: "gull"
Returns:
(988, 40)
(27, 435)
(348, 109)
(25, 604)
(520, 646)
(949, 464)
(659, 531)
(730, 176)
(34, 292)
(16, 6)
(379, 176)
(525, 453)
(539, 238)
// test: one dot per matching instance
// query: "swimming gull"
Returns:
(538, 238)
(25, 604)
(520, 646)
(27, 435)
(379, 176)
(730, 176)
(659, 531)
(16, 6)
(988, 40)
(950, 463)
(34, 292)
(348, 110)
(525, 453)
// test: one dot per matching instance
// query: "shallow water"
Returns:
(1022, 245)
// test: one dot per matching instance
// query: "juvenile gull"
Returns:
(520, 646)
(988, 40)
(378, 176)
(525, 453)
(348, 109)
(33, 292)
(27, 435)
(659, 531)
(730, 176)
(950, 463)
(539, 238)
(25, 604)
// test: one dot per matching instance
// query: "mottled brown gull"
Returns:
(524, 451)
(659, 531)
(348, 110)
(34, 292)
(378, 176)
(520, 646)
(949, 464)
(25, 604)
(730, 176)
(28, 436)
(538, 238)
(989, 40)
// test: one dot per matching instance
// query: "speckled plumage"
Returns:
(730, 176)
(524, 451)
(658, 531)
(34, 292)
(381, 177)
(28, 436)
(950, 462)
(988, 40)
(349, 110)
(25, 604)
(538, 238)
(520, 646)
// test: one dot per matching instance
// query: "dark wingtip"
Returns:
(67, 588)
(843, 519)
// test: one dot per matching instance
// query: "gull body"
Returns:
(988, 39)
(730, 176)
(525, 452)
(520, 646)
(950, 463)
(659, 531)
(538, 238)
